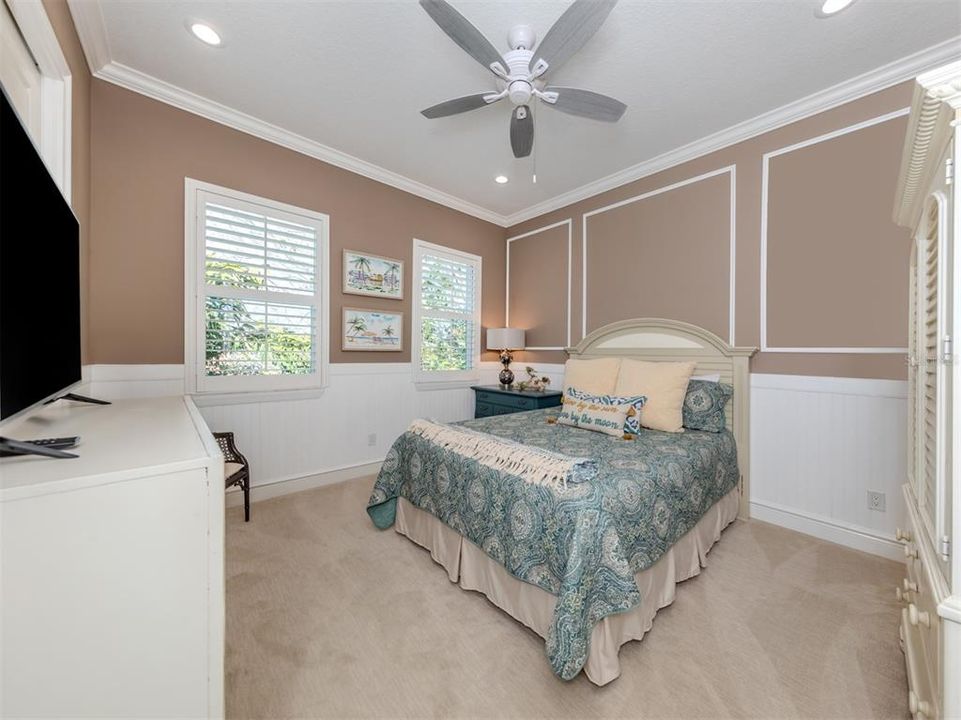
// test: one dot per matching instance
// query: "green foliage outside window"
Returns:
(239, 341)
(445, 343)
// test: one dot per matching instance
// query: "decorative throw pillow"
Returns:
(596, 376)
(704, 405)
(632, 425)
(664, 384)
(608, 419)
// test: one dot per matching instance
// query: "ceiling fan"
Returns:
(520, 72)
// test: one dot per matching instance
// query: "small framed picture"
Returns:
(366, 274)
(373, 330)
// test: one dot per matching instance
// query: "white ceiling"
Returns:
(354, 76)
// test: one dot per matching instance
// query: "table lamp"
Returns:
(505, 340)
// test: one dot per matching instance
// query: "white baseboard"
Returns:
(286, 486)
(850, 536)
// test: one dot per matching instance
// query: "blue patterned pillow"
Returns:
(632, 424)
(704, 405)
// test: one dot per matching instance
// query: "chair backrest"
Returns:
(226, 442)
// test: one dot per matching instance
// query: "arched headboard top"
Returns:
(662, 340)
(646, 335)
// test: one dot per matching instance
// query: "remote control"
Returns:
(56, 443)
(46, 443)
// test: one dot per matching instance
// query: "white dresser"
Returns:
(928, 203)
(112, 582)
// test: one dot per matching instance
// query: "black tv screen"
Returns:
(39, 276)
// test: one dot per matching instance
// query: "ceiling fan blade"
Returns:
(461, 31)
(585, 103)
(574, 28)
(522, 131)
(457, 105)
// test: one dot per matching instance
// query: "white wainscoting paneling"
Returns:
(119, 382)
(305, 442)
(818, 445)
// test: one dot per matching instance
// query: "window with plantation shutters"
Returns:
(446, 327)
(257, 293)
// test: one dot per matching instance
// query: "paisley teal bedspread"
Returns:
(584, 543)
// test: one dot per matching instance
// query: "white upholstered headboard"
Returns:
(657, 339)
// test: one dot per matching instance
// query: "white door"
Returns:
(19, 74)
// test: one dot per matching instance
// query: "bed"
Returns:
(588, 565)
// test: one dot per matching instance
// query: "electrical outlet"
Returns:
(372, 439)
(876, 501)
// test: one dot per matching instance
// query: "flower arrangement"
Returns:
(535, 382)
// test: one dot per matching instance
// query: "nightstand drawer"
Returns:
(510, 401)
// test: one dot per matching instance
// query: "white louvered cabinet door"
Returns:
(934, 373)
(913, 363)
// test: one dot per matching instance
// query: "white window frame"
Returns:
(56, 90)
(435, 378)
(226, 389)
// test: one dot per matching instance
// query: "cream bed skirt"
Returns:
(470, 566)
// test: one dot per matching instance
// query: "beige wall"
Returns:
(143, 150)
(63, 27)
(837, 265)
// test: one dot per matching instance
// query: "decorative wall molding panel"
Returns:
(765, 179)
(818, 445)
(731, 171)
(507, 292)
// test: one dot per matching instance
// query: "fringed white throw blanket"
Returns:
(531, 464)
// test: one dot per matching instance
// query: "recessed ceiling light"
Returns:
(833, 7)
(205, 33)
(500, 179)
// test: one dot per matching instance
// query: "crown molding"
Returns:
(878, 79)
(92, 31)
(89, 22)
(152, 87)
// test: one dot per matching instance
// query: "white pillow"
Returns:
(712, 377)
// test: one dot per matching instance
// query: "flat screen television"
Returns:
(39, 276)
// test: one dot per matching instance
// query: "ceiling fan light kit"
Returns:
(520, 72)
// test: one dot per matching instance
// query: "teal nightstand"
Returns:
(496, 400)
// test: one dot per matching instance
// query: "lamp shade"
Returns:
(505, 339)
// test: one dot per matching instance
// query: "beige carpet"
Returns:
(329, 617)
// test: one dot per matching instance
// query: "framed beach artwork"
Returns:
(366, 274)
(373, 330)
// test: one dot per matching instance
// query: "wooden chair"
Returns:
(236, 467)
